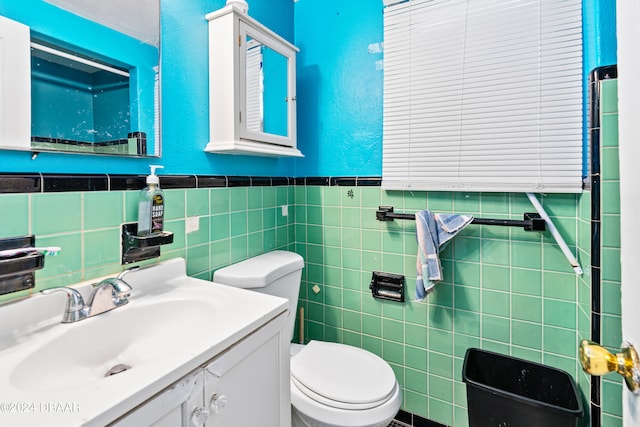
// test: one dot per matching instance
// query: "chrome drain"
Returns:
(120, 367)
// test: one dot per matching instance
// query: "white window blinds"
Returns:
(483, 95)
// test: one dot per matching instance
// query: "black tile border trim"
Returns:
(12, 183)
(597, 75)
(415, 420)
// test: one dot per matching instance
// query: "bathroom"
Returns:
(505, 290)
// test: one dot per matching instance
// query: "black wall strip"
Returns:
(601, 73)
(52, 183)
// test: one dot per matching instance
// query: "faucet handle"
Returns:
(75, 303)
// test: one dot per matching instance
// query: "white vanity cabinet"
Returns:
(252, 87)
(245, 385)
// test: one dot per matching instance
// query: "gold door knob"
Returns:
(597, 360)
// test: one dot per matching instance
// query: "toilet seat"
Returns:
(342, 376)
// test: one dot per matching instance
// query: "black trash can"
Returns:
(503, 391)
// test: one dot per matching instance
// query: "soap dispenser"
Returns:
(151, 206)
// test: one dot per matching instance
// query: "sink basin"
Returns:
(131, 336)
(172, 325)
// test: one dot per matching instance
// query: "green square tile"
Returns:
(177, 227)
(560, 313)
(495, 277)
(219, 225)
(611, 298)
(554, 259)
(269, 197)
(611, 332)
(463, 342)
(526, 334)
(202, 235)
(238, 199)
(415, 381)
(526, 255)
(495, 346)
(351, 338)
(351, 238)
(351, 279)
(461, 417)
(566, 364)
(611, 397)
(392, 263)
(238, 247)
(255, 244)
(314, 195)
(440, 388)
(609, 96)
(174, 204)
(197, 259)
(609, 130)
(254, 220)
(560, 341)
(466, 322)
(610, 167)
(238, 223)
(611, 421)
(372, 344)
(496, 328)
(333, 316)
(526, 308)
(466, 203)
(68, 260)
(415, 312)
(352, 320)
(440, 201)
(392, 310)
(197, 202)
(371, 325)
(333, 256)
(415, 403)
(392, 330)
(15, 215)
(416, 358)
(611, 231)
(351, 259)
(103, 209)
(466, 249)
(393, 352)
(560, 205)
(496, 303)
(393, 242)
(441, 341)
(314, 215)
(611, 269)
(442, 295)
(219, 199)
(351, 217)
(351, 300)
(254, 197)
(610, 197)
(494, 203)
(332, 216)
(315, 312)
(441, 412)
(268, 218)
(560, 286)
(467, 298)
(495, 252)
(526, 281)
(101, 247)
(53, 213)
(415, 335)
(332, 236)
(466, 273)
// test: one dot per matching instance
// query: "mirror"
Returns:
(94, 75)
(266, 84)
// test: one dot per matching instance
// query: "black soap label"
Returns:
(157, 213)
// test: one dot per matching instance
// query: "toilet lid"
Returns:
(342, 376)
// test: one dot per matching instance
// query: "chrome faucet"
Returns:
(108, 294)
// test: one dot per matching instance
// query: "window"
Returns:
(483, 95)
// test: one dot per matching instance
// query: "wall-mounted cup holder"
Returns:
(138, 248)
(17, 273)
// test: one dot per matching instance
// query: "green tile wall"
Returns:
(610, 258)
(233, 224)
(504, 289)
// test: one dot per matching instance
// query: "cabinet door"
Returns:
(245, 386)
(15, 85)
(173, 407)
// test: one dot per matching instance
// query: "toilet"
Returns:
(332, 385)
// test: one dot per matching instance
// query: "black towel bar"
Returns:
(531, 221)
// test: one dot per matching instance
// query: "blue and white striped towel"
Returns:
(432, 232)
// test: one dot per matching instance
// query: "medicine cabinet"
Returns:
(252, 87)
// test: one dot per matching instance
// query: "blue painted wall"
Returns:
(339, 89)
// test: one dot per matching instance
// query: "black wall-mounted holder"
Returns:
(139, 248)
(387, 286)
(17, 273)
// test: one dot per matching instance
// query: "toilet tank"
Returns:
(275, 273)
